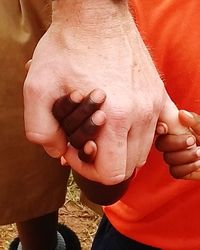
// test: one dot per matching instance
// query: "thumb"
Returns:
(170, 116)
(161, 128)
(41, 128)
(191, 120)
(40, 125)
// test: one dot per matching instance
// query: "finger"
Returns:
(88, 152)
(170, 116)
(190, 119)
(92, 103)
(133, 158)
(196, 126)
(187, 118)
(182, 157)
(111, 144)
(43, 129)
(112, 154)
(40, 125)
(82, 166)
(66, 105)
(89, 130)
(63, 161)
(195, 175)
(147, 137)
(168, 143)
(161, 128)
(184, 170)
(28, 65)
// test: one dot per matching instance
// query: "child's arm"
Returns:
(180, 153)
(81, 120)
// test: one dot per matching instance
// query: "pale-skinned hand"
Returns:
(97, 45)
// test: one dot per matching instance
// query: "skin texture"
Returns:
(180, 152)
(79, 52)
(82, 130)
(81, 120)
(39, 233)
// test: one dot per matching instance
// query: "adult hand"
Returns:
(81, 120)
(95, 44)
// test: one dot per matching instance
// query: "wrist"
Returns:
(90, 16)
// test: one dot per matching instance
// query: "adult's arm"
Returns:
(95, 44)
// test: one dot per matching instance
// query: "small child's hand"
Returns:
(182, 152)
(81, 120)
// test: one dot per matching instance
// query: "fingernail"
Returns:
(98, 118)
(53, 152)
(97, 96)
(161, 129)
(198, 152)
(88, 150)
(64, 162)
(141, 164)
(190, 141)
(187, 113)
(197, 163)
(76, 96)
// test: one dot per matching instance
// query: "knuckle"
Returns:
(85, 157)
(148, 115)
(146, 111)
(196, 128)
(119, 117)
(90, 130)
(36, 138)
(158, 144)
(166, 157)
(32, 90)
(118, 123)
(146, 108)
(175, 174)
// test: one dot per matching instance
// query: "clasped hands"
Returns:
(81, 119)
(67, 59)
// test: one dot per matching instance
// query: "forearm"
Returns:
(74, 8)
(92, 17)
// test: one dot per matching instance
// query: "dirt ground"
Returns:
(75, 215)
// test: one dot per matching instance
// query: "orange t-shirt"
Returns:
(157, 209)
